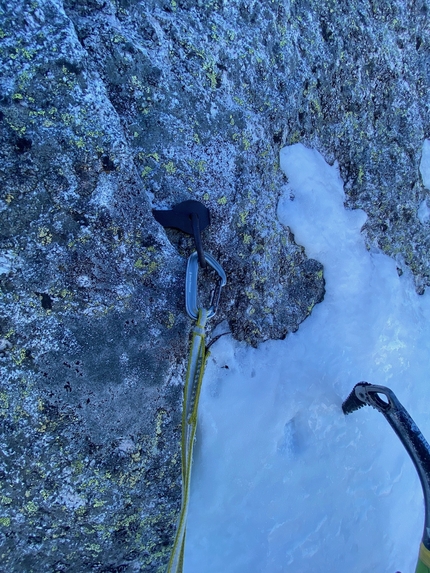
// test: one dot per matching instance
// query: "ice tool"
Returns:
(385, 401)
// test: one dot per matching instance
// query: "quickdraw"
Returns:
(193, 384)
(192, 217)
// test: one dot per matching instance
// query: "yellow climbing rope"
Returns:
(423, 565)
(193, 383)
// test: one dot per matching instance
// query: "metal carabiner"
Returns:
(191, 302)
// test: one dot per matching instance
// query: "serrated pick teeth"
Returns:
(357, 399)
(352, 403)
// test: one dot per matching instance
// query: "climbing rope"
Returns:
(423, 565)
(193, 383)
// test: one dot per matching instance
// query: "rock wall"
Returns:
(109, 109)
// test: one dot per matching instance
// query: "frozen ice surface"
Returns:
(282, 480)
(423, 212)
(425, 164)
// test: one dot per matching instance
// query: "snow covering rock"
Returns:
(423, 212)
(283, 481)
(425, 164)
(109, 108)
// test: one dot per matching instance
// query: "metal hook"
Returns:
(191, 297)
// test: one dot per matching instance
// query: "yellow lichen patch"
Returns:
(80, 143)
(246, 143)
(93, 547)
(243, 217)
(201, 166)
(4, 403)
(294, 137)
(44, 235)
(154, 156)
(160, 415)
(170, 167)
(266, 152)
(222, 200)
(144, 263)
(42, 427)
(20, 357)
(99, 503)
(30, 508)
(64, 293)
(170, 320)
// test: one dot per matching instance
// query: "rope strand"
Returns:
(193, 383)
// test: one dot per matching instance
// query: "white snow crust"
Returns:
(425, 164)
(423, 212)
(282, 481)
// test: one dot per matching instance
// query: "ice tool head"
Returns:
(365, 394)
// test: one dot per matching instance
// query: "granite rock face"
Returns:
(109, 109)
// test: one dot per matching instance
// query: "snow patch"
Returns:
(425, 164)
(6, 263)
(282, 480)
(423, 212)
(104, 193)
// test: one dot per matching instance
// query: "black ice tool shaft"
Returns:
(385, 401)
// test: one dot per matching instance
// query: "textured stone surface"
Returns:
(109, 109)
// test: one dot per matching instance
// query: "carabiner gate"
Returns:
(191, 298)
